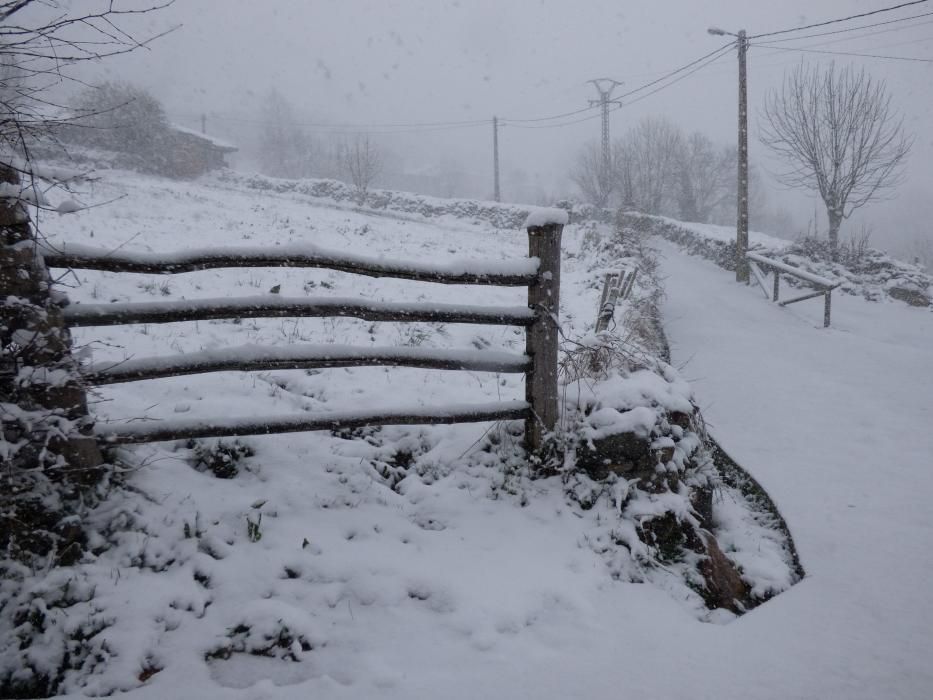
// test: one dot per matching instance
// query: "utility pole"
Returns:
(605, 99)
(741, 226)
(203, 124)
(741, 234)
(495, 158)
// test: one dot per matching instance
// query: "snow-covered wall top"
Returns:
(496, 214)
(869, 273)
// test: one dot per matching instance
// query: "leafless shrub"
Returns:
(361, 161)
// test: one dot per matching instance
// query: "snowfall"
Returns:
(458, 579)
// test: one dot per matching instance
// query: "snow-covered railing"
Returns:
(254, 358)
(493, 272)
(824, 286)
(540, 272)
(183, 429)
(274, 306)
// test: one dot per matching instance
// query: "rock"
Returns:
(913, 297)
(701, 499)
(724, 586)
(679, 418)
(625, 454)
(670, 536)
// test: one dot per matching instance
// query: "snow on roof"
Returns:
(225, 145)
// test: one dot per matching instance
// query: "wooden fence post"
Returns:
(542, 337)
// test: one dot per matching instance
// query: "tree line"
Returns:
(833, 130)
(658, 168)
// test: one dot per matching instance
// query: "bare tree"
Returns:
(361, 161)
(286, 150)
(39, 41)
(836, 132)
(705, 177)
(595, 181)
(646, 165)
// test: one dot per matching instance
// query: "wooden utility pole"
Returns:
(203, 123)
(495, 159)
(741, 232)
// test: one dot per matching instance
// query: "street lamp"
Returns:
(741, 229)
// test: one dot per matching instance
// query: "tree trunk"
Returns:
(835, 222)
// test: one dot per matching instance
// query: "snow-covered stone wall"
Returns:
(868, 272)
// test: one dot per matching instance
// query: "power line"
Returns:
(821, 44)
(663, 77)
(556, 116)
(708, 59)
(678, 70)
(840, 19)
(663, 82)
(722, 52)
(855, 29)
(387, 128)
(848, 53)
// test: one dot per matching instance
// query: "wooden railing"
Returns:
(540, 273)
(616, 287)
(824, 287)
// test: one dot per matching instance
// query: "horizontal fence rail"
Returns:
(488, 272)
(252, 358)
(824, 286)
(174, 429)
(539, 273)
(274, 306)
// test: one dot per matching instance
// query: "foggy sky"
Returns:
(387, 61)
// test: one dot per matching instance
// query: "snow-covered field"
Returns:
(419, 562)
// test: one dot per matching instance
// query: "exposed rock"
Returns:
(701, 499)
(914, 297)
(670, 537)
(724, 586)
(625, 454)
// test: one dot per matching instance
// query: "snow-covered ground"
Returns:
(417, 562)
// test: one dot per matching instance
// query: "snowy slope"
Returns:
(389, 573)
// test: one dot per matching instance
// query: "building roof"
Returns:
(217, 143)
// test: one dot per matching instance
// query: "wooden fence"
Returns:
(824, 286)
(616, 287)
(540, 273)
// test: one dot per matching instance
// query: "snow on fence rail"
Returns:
(253, 358)
(540, 272)
(493, 272)
(274, 306)
(824, 286)
(183, 429)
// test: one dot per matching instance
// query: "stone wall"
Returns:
(49, 459)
